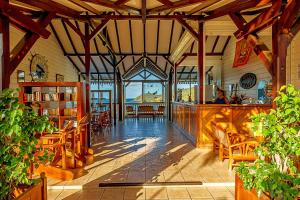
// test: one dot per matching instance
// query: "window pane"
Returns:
(153, 92)
(186, 92)
(133, 93)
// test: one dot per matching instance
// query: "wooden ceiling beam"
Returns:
(96, 31)
(166, 2)
(149, 17)
(51, 6)
(260, 22)
(215, 44)
(175, 5)
(121, 2)
(202, 6)
(22, 20)
(112, 5)
(144, 11)
(141, 54)
(26, 43)
(157, 39)
(170, 44)
(188, 27)
(289, 14)
(74, 28)
(62, 47)
(97, 50)
(236, 6)
(226, 44)
(85, 6)
(131, 41)
(118, 41)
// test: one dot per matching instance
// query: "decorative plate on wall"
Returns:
(248, 81)
(38, 68)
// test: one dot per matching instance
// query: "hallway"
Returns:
(146, 151)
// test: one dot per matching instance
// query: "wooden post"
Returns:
(169, 99)
(87, 71)
(120, 97)
(115, 92)
(5, 53)
(201, 65)
(175, 82)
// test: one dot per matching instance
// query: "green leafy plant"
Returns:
(19, 126)
(276, 172)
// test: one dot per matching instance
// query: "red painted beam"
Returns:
(121, 2)
(72, 26)
(236, 6)
(17, 17)
(25, 44)
(260, 22)
(144, 11)
(175, 5)
(51, 6)
(166, 2)
(95, 32)
(188, 27)
(6, 54)
(289, 14)
(112, 5)
(201, 66)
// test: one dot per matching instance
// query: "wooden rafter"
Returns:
(121, 2)
(180, 73)
(51, 6)
(25, 44)
(289, 14)
(112, 5)
(260, 22)
(226, 44)
(144, 11)
(76, 29)
(157, 39)
(175, 5)
(133, 66)
(72, 43)
(144, 37)
(86, 6)
(98, 51)
(131, 41)
(215, 44)
(24, 21)
(63, 48)
(118, 40)
(202, 6)
(166, 2)
(188, 27)
(170, 43)
(96, 31)
(236, 6)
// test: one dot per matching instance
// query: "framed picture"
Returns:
(20, 76)
(60, 78)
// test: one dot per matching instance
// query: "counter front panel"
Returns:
(195, 120)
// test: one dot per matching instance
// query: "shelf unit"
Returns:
(101, 100)
(61, 101)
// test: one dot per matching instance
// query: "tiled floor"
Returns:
(148, 151)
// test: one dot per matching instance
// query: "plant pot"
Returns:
(36, 192)
(242, 194)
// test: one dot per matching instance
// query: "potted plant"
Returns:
(276, 171)
(19, 126)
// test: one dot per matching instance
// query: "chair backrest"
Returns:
(219, 133)
(161, 109)
(234, 138)
(145, 109)
(129, 108)
(84, 120)
(68, 126)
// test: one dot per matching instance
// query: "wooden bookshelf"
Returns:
(61, 101)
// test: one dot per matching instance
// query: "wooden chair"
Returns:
(160, 111)
(240, 148)
(219, 140)
(81, 135)
(146, 110)
(130, 111)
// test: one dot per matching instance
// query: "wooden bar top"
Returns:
(195, 120)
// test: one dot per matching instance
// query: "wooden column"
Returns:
(120, 97)
(201, 64)
(275, 31)
(169, 99)
(5, 52)
(175, 82)
(115, 93)
(87, 71)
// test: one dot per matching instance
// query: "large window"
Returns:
(144, 92)
(153, 92)
(133, 92)
(186, 92)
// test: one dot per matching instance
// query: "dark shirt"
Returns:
(220, 101)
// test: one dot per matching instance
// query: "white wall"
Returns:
(232, 75)
(293, 62)
(57, 62)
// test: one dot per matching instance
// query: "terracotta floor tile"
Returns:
(156, 193)
(178, 193)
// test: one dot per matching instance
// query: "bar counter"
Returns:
(194, 120)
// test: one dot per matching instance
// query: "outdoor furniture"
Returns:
(146, 111)
(240, 148)
(160, 111)
(130, 111)
(219, 140)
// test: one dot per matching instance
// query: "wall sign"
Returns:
(243, 51)
(248, 81)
